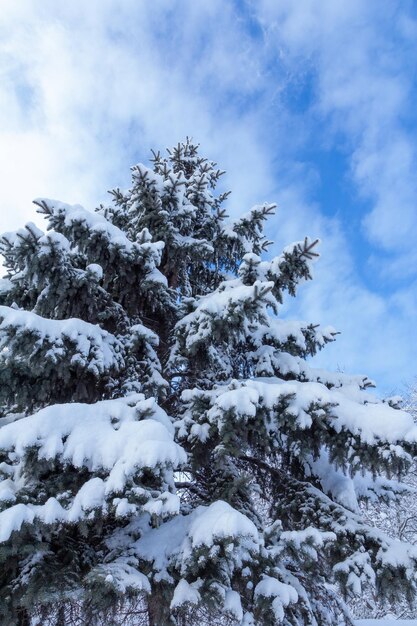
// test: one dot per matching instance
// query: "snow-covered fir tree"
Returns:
(165, 443)
(398, 518)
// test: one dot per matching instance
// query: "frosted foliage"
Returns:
(397, 515)
(108, 438)
(385, 622)
(92, 348)
(71, 217)
(202, 529)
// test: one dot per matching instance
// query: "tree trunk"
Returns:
(60, 618)
(158, 608)
(23, 618)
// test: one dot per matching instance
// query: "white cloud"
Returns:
(360, 52)
(107, 82)
(88, 87)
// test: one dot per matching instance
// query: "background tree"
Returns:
(168, 454)
(398, 518)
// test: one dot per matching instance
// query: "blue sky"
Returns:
(309, 104)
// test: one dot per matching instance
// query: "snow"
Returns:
(166, 504)
(310, 535)
(201, 246)
(13, 518)
(290, 364)
(220, 521)
(272, 588)
(68, 217)
(145, 333)
(177, 540)
(216, 302)
(273, 269)
(398, 554)
(358, 569)
(161, 545)
(386, 622)
(233, 227)
(5, 286)
(107, 437)
(104, 435)
(90, 496)
(145, 174)
(346, 489)
(333, 480)
(353, 410)
(282, 595)
(123, 576)
(96, 270)
(155, 276)
(93, 348)
(281, 331)
(55, 239)
(94, 222)
(233, 605)
(221, 304)
(7, 491)
(184, 593)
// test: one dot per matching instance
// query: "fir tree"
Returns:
(164, 437)
(398, 519)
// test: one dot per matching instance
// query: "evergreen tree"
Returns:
(398, 518)
(163, 436)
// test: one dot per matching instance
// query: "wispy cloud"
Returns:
(361, 54)
(88, 88)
